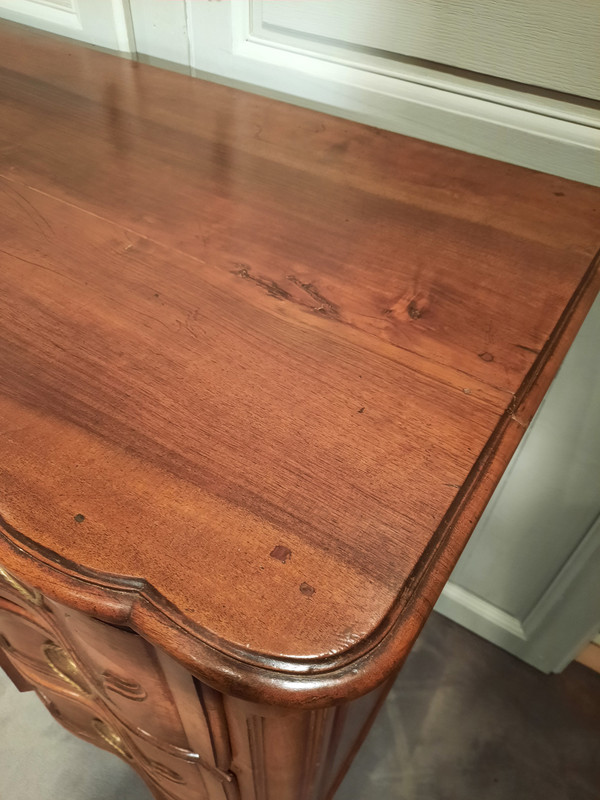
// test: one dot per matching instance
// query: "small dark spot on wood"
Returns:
(156, 294)
(360, 410)
(307, 590)
(281, 553)
(339, 147)
(388, 311)
(79, 518)
(414, 312)
(486, 357)
(559, 194)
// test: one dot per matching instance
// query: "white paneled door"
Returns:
(536, 42)
(104, 23)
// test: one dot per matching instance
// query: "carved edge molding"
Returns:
(366, 664)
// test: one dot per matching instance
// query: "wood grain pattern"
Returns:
(231, 327)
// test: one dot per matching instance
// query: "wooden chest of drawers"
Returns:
(112, 688)
(261, 370)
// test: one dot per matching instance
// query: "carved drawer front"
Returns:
(111, 687)
(35, 652)
(175, 770)
(174, 778)
(126, 674)
(85, 720)
(22, 594)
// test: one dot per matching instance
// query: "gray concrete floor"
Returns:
(464, 721)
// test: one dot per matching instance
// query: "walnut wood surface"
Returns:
(261, 368)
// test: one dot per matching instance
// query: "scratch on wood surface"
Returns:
(324, 306)
(34, 214)
(518, 421)
(270, 286)
(527, 349)
(38, 265)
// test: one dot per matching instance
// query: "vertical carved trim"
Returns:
(319, 735)
(256, 739)
(220, 740)
(212, 705)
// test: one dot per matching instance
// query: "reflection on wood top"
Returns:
(261, 367)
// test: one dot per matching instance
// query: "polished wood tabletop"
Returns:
(260, 368)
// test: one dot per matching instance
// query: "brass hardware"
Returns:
(111, 738)
(61, 663)
(31, 595)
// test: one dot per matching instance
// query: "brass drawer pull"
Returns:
(112, 739)
(31, 595)
(61, 663)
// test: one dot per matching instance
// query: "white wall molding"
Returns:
(19, 10)
(477, 614)
(547, 638)
(583, 554)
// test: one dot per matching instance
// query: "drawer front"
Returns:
(111, 687)
(17, 591)
(174, 778)
(35, 653)
(126, 674)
